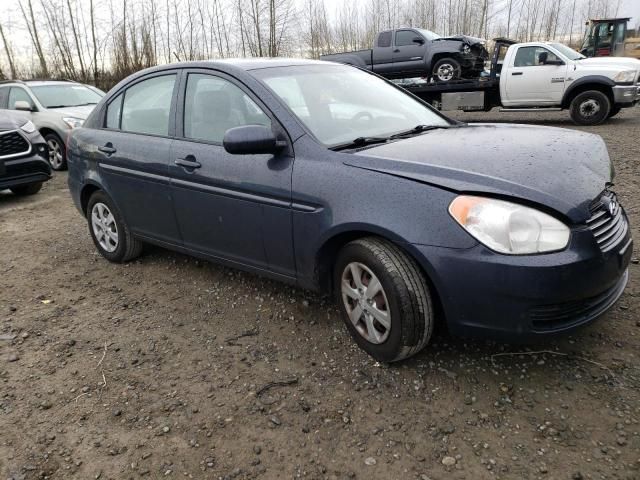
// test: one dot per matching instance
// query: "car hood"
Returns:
(10, 120)
(624, 63)
(465, 39)
(81, 112)
(560, 169)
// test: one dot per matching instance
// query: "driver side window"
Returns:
(17, 94)
(533, 57)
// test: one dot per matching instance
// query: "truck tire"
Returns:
(446, 70)
(394, 319)
(614, 111)
(590, 108)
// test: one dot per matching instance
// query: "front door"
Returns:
(234, 207)
(133, 155)
(407, 54)
(533, 80)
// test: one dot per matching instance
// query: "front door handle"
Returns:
(108, 149)
(516, 73)
(189, 162)
(397, 50)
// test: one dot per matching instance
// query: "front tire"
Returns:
(614, 111)
(30, 189)
(384, 299)
(590, 108)
(446, 70)
(57, 152)
(109, 232)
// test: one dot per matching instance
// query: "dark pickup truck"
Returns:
(411, 52)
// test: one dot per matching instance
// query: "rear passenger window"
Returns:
(146, 106)
(384, 39)
(113, 113)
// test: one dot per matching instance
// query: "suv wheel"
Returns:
(110, 234)
(30, 189)
(446, 70)
(57, 153)
(590, 108)
(384, 299)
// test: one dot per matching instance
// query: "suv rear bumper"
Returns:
(626, 95)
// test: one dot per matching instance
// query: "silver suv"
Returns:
(55, 107)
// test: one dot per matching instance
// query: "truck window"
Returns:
(533, 56)
(384, 39)
(405, 37)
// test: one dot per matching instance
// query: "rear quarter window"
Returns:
(384, 39)
(113, 113)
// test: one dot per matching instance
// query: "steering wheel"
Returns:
(358, 117)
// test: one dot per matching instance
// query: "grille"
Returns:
(608, 221)
(13, 144)
(565, 315)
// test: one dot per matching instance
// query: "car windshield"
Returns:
(339, 103)
(568, 52)
(71, 95)
(428, 34)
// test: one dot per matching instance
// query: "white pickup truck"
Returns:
(543, 76)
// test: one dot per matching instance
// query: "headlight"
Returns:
(28, 127)
(507, 227)
(628, 76)
(466, 49)
(73, 122)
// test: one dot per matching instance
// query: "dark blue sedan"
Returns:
(333, 179)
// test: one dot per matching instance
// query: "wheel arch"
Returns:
(331, 246)
(85, 194)
(591, 82)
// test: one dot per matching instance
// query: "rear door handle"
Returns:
(108, 149)
(188, 162)
(516, 73)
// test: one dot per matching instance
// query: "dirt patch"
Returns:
(158, 368)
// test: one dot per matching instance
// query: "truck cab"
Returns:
(550, 74)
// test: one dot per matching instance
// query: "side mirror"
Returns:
(22, 105)
(251, 140)
(554, 62)
(418, 40)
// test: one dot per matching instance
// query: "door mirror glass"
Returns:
(22, 105)
(418, 40)
(251, 140)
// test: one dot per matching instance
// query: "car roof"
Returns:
(37, 83)
(261, 62)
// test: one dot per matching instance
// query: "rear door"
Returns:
(407, 54)
(530, 82)
(382, 53)
(234, 207)
(132, 151)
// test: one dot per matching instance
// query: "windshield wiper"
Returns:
(419, 129)
(361, 142)
(364, 141)
(85, 104)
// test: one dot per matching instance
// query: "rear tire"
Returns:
(590, 108)
(109, 232)
(30, 189)
(402, 301)
(57, 152)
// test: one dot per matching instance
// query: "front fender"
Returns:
(596, 80)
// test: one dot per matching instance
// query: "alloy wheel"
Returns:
(104, 227)
(55, 153)
(446, 72)
(366, 302)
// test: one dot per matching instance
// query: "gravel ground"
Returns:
(172, 367)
